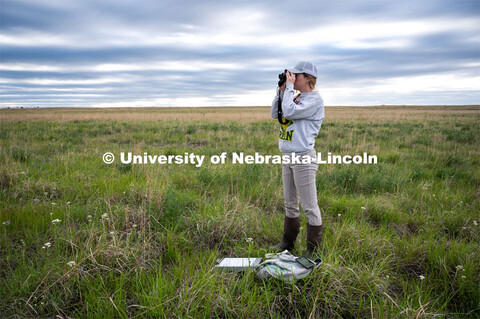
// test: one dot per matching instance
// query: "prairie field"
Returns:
(80, 238)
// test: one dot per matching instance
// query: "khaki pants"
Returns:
(299, 184)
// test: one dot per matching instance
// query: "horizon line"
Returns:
(232, 106)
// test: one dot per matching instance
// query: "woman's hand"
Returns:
(290, 77)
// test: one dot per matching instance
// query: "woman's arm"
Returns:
(274, 109)
(292, 111)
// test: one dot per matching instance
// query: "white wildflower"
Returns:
(56, 221)
(105, 216)
(112, 233)
(363, 208)
(475, 223)
(463, 277)
(426, 186)
(46, 245)
(422, 277)
(459, 267)
(249, 240)
(134, 225)
(71, 263)
(54, 204)
(6, 223)
(339, 215)
(68, 203)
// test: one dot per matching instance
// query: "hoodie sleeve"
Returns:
(274, 109)
(306, 108)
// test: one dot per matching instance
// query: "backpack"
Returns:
(286, 266)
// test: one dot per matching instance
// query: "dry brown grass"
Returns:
(243, 114)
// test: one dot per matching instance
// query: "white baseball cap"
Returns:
(305, 67)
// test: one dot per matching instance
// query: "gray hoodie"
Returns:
(305, 116)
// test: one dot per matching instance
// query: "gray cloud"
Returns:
(88, 53)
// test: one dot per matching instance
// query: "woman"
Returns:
(303, 116)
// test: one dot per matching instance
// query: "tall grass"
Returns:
(80, 238)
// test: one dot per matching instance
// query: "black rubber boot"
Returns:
(291, 228)
(314, 239)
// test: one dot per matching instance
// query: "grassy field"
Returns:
(80, 238)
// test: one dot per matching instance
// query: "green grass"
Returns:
(141, 240)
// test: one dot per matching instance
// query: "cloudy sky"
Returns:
(214, 53)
